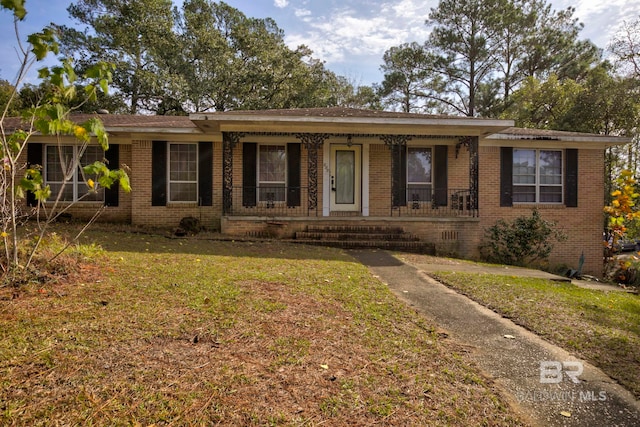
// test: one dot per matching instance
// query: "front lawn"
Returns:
(601, 327)
(152, 330)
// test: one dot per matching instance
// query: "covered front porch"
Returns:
(349, 175)
(289, 172)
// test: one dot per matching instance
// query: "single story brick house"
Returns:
(292, 173)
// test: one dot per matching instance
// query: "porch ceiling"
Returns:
(384, 123)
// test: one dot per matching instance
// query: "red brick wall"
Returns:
(583, 224)
(169, 216)
(86, 210)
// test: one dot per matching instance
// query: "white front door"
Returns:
(346, 178)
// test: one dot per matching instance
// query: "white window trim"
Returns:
(170, 181)
(269, 183)
(537, 183)
(75, 181)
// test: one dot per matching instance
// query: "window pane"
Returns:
(272, 193)
(537, 176)
(419, 165)
(550, 167)
(524, 167)
(418, 193)
(551, 194)
(524, 194)
(67, 193)
(183, 192)
(183, 162)
(58, 160)
(91, 155)
(345, 177)
(183, 172)
(272, 163)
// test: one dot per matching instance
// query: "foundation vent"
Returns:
(449, 235)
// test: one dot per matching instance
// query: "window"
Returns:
(183, 172)
(419, 180)
(272, 173)
(61, 173)
(537, 176)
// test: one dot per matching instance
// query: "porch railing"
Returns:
(281, 201)
(440, 203)
(271, 201)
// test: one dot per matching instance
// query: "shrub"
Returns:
(524, 241)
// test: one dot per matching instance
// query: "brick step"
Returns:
(355, 229)
(404, 246)
(308, 235)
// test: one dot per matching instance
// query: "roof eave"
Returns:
(606, 140)
(303, 124)
(154, 130)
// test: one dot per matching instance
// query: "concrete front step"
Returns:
(354, 229)
(308, 235)
(363, 237)
(404, 246)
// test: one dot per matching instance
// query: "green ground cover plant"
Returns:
(150, 330)
(598, 326)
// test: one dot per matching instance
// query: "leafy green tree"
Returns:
(543, 104)
(48, 116)
(203, 56)
(409, 80)
(349, 95)
(224, 60)
(553, 45)
(463, 38)
(31, 95)
(625, 46)
(7, 94)
(480, 51)
(129, 34)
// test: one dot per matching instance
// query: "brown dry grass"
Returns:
(156, 331)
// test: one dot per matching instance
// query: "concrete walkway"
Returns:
(514, 357)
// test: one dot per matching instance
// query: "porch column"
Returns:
(397, 144)
(312, 142)
(229, 141)
(471, 142)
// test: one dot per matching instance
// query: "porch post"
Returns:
(229, 141)
(471, 142)
(397, 144)
(473, 173)
(312, 142)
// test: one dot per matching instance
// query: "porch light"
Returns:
(349, 141)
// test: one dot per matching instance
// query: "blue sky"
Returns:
(350, 36)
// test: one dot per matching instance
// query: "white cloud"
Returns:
(356, 33)
(303, 14)
(281, 4)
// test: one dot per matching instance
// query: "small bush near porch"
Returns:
(152, 330)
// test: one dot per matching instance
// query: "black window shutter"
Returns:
(249, 173)
(293, 174)
(506, 176)
(159, 173)
(440, 174)
(205, 173)
(571, 178)
(112, 195)
(399, 175)
(34, 157)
